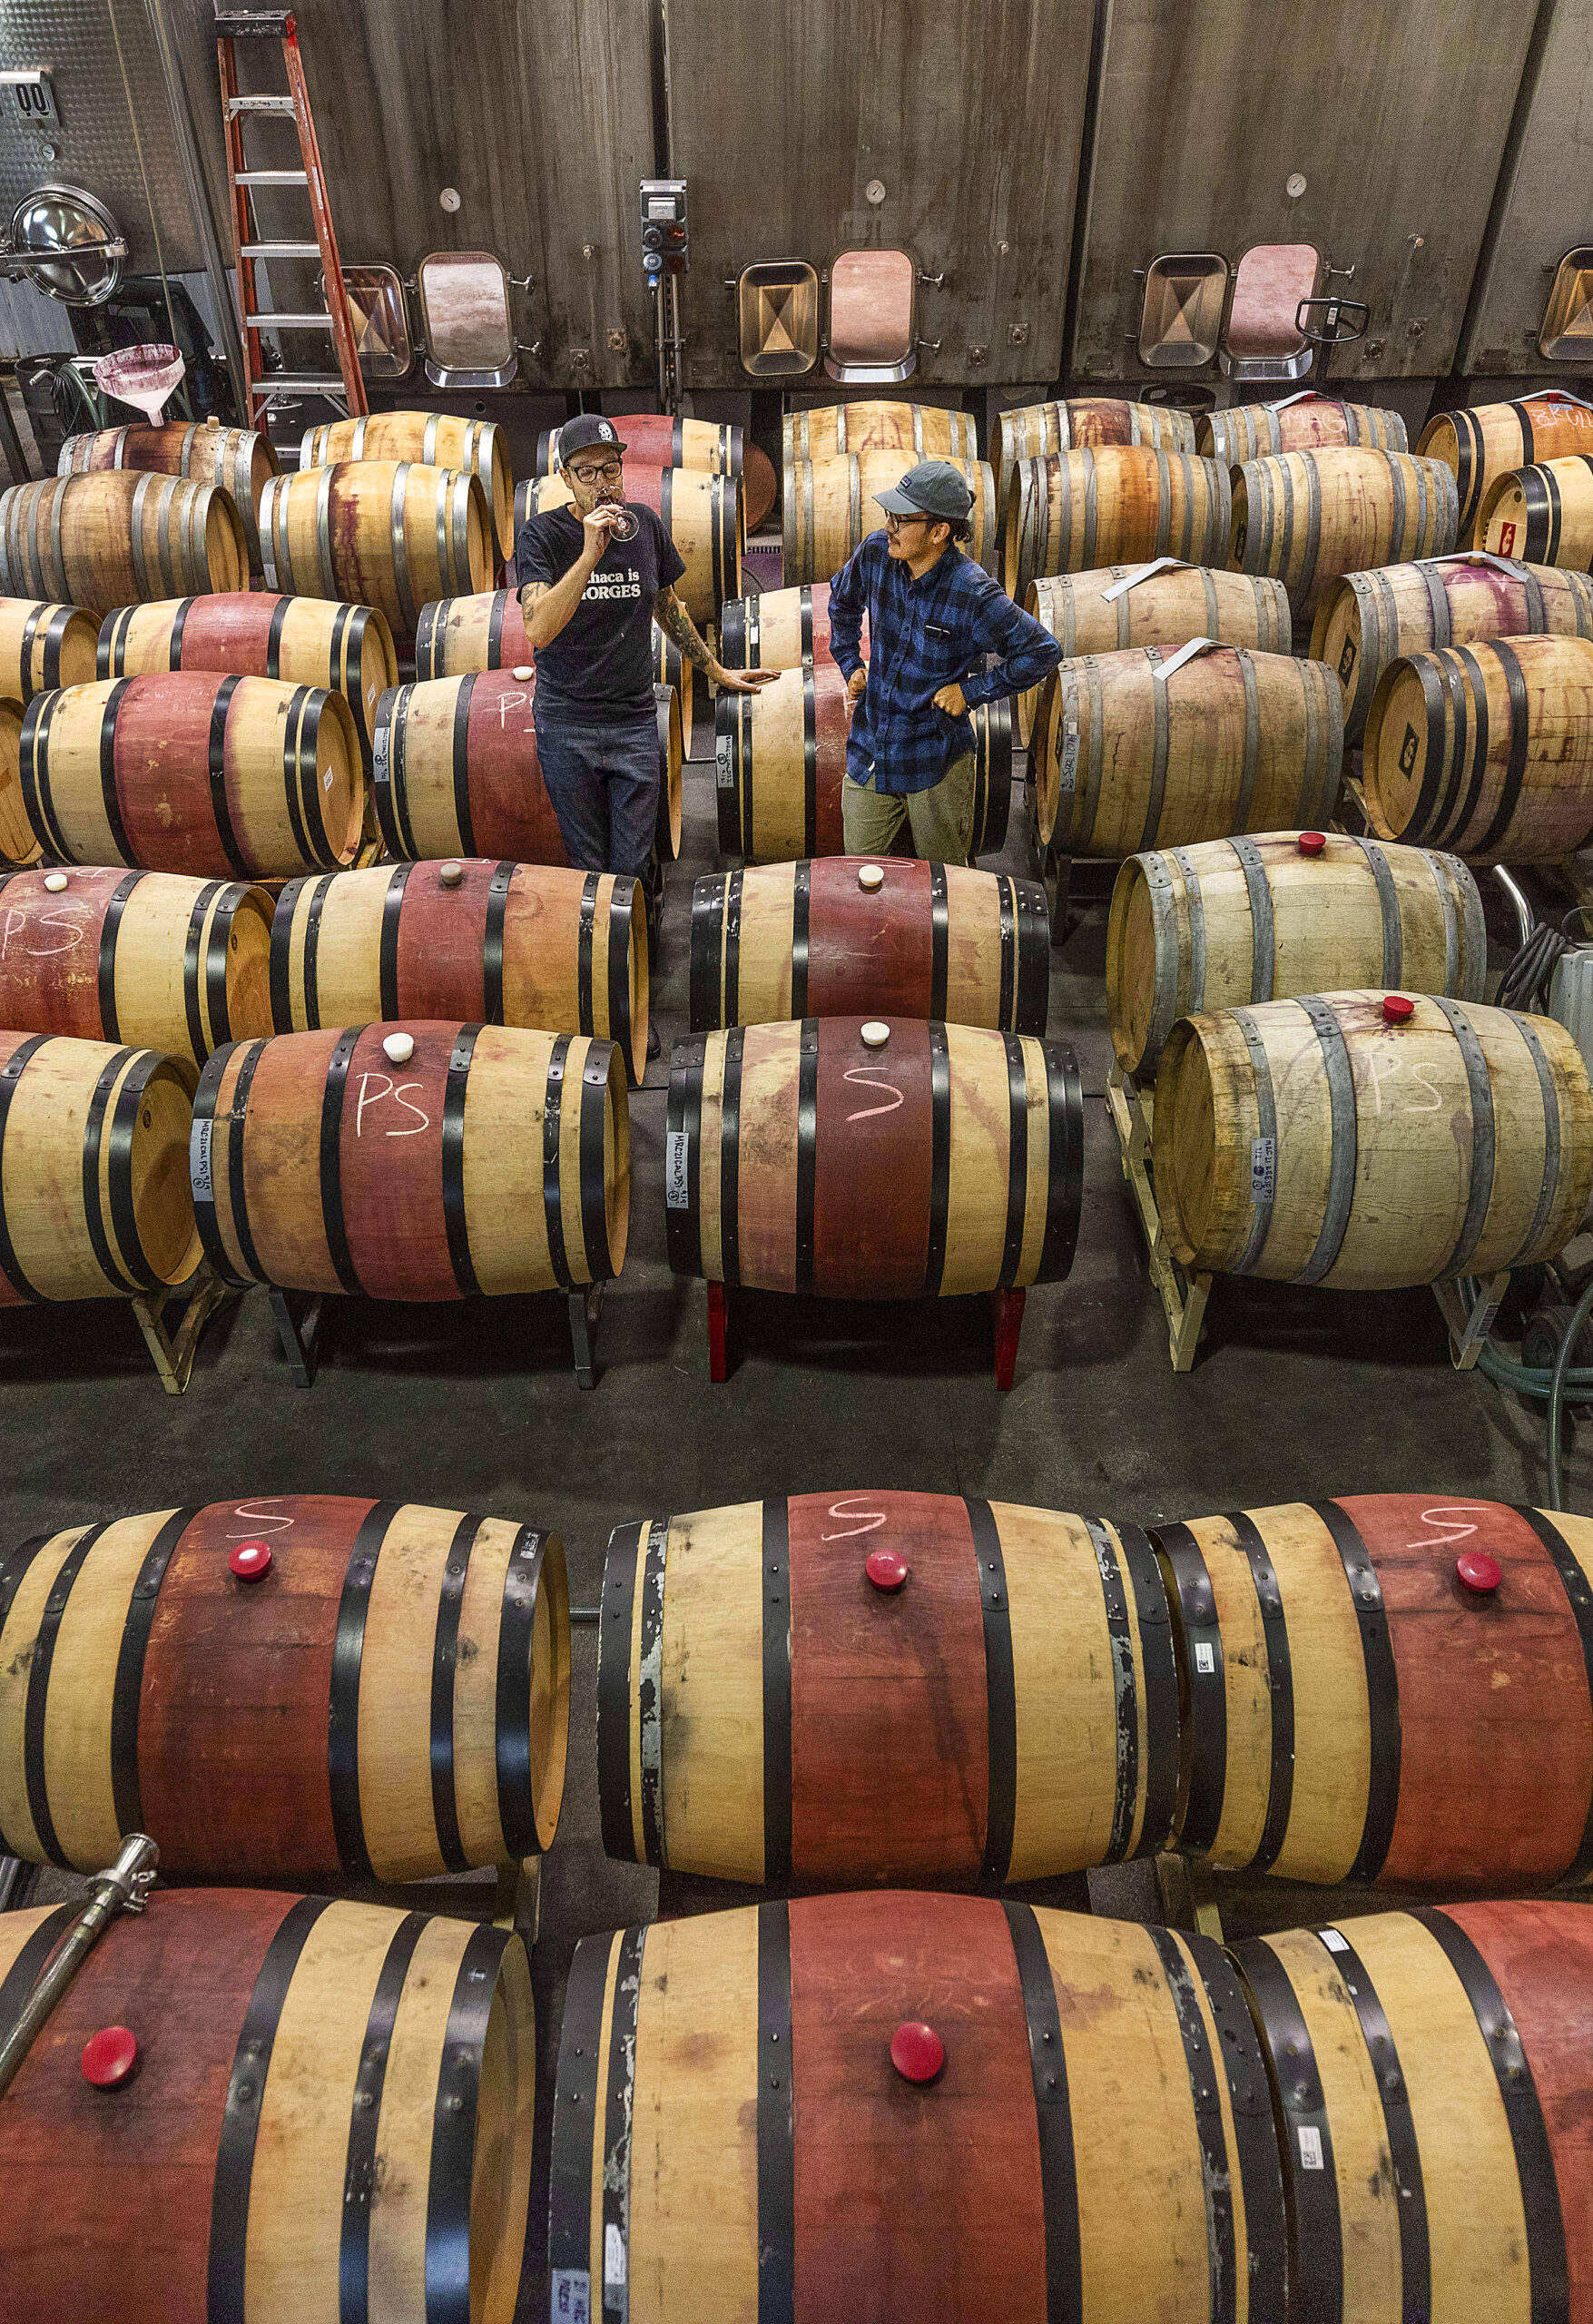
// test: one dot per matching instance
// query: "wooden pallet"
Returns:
(1183, 1295)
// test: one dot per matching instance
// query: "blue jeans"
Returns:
(602, 781)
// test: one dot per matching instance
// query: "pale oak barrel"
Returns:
(829, 505)
(1231, 922)
(1313, 1141)
(1034, 428)
(493, 1160)
(1306, 517)
(1352, 1712)
(392, 534)
(653, 440)
(948, 1159)
(304, 641)
(928, 939)
(114, 538)
(926, 431)
(1163, 603)
(216, 776)
(331, 2114)
(175, 963)
(240, 460)
(503, 944)
(19, 843)
(436, 439)
(43, 646)
(388, 1700)
(1487, 749)
(458, 634)
(1482, 442)
(1250, 431)
(1367, 620)
(94, 1202)
(1125, 758)
(779, 630)
(1429, 2075)
(1544, 513)
(702, 514)
(1122, 504)
(1076, 2156)
(1020, 1689)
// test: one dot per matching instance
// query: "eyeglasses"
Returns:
(893, 523)
(609, 473)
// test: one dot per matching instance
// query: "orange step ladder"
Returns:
(345, 386)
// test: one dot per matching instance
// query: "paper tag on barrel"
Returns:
(724, 762)
(1309, 2147)
(1264, 1169)
(572, 2296)
(199, 1160)
(1070, 774)
(674, 1168)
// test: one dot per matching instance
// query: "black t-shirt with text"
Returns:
(601, 662)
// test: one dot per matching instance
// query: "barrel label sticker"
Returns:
(1069, 757)
(1346, 660)
(1264, 1169)
(199, 1160)
(1333, 1941)
(1507, 540)
(572, 2296)
(674, 1168)
(1408, 750)
(723, 762)
(379, 756)
(1309, 2147)
(1205, 1660)
(614, 2258)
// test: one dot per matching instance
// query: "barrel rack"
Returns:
(1006, 1324)
(1183, 1294)
(304, 1317)
(172, 1351)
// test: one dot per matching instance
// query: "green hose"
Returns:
(1556, 1392)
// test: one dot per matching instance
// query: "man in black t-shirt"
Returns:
(589, 599)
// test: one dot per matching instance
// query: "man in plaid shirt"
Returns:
(933, 616)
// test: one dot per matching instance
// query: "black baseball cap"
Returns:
(934, 488)
(588, 431)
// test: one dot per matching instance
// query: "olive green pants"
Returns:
(941, 818)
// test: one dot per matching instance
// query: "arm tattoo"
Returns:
(675, 622)
(529, 595)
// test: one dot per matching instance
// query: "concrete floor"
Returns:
(1296, 1394)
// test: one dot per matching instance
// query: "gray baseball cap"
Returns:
(934, 488)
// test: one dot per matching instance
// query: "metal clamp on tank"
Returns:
(124, 1888)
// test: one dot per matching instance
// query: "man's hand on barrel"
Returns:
(741, 680)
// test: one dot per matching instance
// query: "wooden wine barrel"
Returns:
(1035, 429)
(1076, 2156)
(1359, 1713)
(175, 964)
(1307, 518)
(779, 759)
(42, 647)
(928, 431)
(94, 1191)
(1071, 512)
(19, 845)
(955, 1188)
(250, 777)
(321, 1163)
(332, 2102)
(653, 440)
(456, 771)
(1124, 759)
(1250, 431)
(1456, 1143)
(304, 641)
(702, 514)
(392, 534)
(1367, 620)
(1485, 441)
(1544, 513)
(1235, 920)
(830, 504)
(104, 540)
(779, 630)
(502, 944)
(437, 439)
(220, 1715)
(1430, 2072)
(240, 461)
(670, 754)
(454, 635)
(1021, 1691)
(670, 668)
(809, 939)
(1487, 749)
(1163, 604)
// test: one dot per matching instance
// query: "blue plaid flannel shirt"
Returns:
(923, 635)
